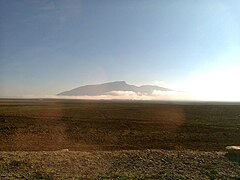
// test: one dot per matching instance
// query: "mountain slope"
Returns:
(101, 89)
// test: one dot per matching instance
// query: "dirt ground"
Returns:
(117, 140)
(95, 125)
(128, 164)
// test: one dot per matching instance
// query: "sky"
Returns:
(49, 46)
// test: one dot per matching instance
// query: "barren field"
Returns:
(103, 133)
(81, 125)
(128, 164)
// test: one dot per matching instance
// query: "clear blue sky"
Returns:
(48, 46)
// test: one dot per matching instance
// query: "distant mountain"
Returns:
(103, 89)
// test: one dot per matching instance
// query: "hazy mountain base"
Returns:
(140, 164)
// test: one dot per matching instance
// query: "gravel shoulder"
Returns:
(127, 164)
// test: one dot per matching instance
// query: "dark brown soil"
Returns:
(95, 125)
(116, 140)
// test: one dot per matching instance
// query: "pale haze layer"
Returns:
(48, 46)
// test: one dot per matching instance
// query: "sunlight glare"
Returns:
(219, 85)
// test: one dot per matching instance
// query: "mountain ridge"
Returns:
(105, 88)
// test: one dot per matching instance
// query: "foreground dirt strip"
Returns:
(147, 164)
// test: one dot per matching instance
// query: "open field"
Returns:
(93, 125)
(109, 140)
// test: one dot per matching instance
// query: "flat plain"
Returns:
(166, 132)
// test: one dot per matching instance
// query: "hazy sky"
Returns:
(48, 46)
